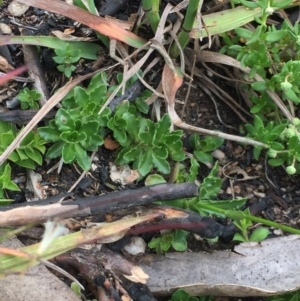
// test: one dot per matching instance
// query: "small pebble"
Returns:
(278, 232)
(136, 246)
(5, 28)
(17, 9)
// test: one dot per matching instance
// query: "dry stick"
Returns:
(32, 60)
(40, 211)
(52, 102)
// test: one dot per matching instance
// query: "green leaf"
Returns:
(195, 141)
(89, 128)
(154, 243)
(119, 134)
(238, 237)
(142, 105)
(93, 143)
(64, 120)
(213, 142)
(256, 152)
(161, 152)
(132, 124)
(55, 150)
(84, 161)
(145, 165)
(226, 205)
(193, 170)
(6, 127)
(281, 3)
(5, 181)
(258, 123)
(291, 95)
(161, 164)
(180, 295)
(259, 86)
(76, 289)
(276, 161)
(98, 79)
(179, 246)
(131, 154)
(6, 139)
(179, 243)
(34, 155)
(99, 95)
(236, 215)
(293, 143)
(203, 157)
(256, 35)
(176, 152)
(68, 153)
(243, 33)
(146, 137)
(81, 96)
(162, 128)
(49, 134)
(154, 179)
(276, 35)
(259, 234)
(21, 153)
(10, 186)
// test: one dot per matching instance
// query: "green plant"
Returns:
(29, 99)
(175, 239)
(145, 143)
(183, 36)
(77, 127)
(274, 55)
(65, 58)
(5, 181)
(30, 150)
(243, 225)
(203, 147)
(182, 295)
(293, 296)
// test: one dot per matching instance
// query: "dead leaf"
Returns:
(111, 144)
(123, 174)
(137, 275)
(4, 65)
(66, 35)
(124, 24)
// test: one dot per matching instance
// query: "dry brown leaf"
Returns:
(67, 37)
(4, 65)
(111, 144)
(137, 275)
(69, 31)
(124, 24)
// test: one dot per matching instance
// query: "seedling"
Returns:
(77, 128)
(204, 147)
(176, 239)
(145, 143)
(65, 58)
(243, 225)
(182, 295)
(30, 150)
(265, 50)
(5, 181)
(29, 99)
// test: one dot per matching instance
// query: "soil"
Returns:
(280, 191)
